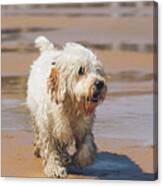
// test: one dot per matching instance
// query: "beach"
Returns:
(120, 136)
(125, 124)
(18, 159)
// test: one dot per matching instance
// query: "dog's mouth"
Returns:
(91, 102)
(95, 97)
(94, 100)
(88, 104)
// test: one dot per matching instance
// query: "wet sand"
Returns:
(18, 159)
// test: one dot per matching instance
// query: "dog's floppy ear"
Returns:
(56, 86)
(53, 83)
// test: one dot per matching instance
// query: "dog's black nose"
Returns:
(99, 84)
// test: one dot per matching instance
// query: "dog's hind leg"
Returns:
(86, 152)
(37, 142)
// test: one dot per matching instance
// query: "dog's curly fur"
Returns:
(62, 100)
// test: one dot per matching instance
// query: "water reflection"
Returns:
(14, 87)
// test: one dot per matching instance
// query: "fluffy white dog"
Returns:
(64, 88)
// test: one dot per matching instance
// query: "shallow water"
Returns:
(129, 117)
(127, 112)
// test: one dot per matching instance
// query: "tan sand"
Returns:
(14, 63)
(18, 158)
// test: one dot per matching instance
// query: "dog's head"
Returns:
(76, 74)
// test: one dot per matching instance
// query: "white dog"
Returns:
(64, 88)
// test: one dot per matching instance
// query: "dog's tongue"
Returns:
(90, 107)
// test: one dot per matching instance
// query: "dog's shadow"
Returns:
(110, 166)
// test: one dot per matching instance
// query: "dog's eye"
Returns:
(53, 63)
(81, 71)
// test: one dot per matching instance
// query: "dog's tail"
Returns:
(43, 44)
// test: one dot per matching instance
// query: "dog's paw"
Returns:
(55, 171)
(84, 157)
(71, 149)
(82, 162)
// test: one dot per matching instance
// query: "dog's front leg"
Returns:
(63, 133)
(53, 166)
(59, 137)
(52, 162)
(61, 129)
(86, 152)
